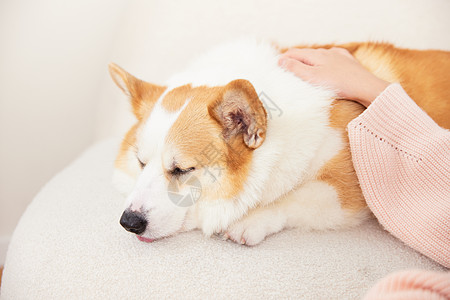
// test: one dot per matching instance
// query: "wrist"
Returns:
(372, 90)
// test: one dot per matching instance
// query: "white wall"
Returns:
(53, 55)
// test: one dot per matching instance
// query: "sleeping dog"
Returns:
(238, 146)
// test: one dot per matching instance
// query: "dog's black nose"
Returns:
(133, 222)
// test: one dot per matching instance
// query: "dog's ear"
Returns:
(142, 94)
(239, 111)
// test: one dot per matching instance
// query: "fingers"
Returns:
(341, 51)
(297, 67)
(314, 57)
(308, 56)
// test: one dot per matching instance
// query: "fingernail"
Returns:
(282, 62)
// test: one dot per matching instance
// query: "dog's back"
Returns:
(423, 74)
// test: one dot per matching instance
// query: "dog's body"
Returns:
(269, 150)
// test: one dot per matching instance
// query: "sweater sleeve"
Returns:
(402, 159)
(411, 284)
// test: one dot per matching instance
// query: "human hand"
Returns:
(334, 68)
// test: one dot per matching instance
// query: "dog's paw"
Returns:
(252, 229)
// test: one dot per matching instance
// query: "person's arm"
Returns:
(401, 156)
(402, 159)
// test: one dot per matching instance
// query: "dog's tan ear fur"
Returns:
(239, 111)
(142, 94)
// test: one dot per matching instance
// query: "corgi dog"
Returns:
(238, 146)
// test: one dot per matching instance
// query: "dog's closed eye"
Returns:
(140, 162)
(178, 171)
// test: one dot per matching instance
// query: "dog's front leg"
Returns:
(313, 206)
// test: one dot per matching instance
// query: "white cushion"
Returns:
(69, 244)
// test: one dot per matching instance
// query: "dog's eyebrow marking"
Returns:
(177, 98)
(157, 128)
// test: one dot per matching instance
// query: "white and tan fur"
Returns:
(294, 167)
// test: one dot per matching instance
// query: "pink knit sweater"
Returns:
(402, 159)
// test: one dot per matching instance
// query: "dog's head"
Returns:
(190, 149)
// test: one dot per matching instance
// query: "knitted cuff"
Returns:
(394, 118)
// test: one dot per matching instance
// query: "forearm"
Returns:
(402, 158)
